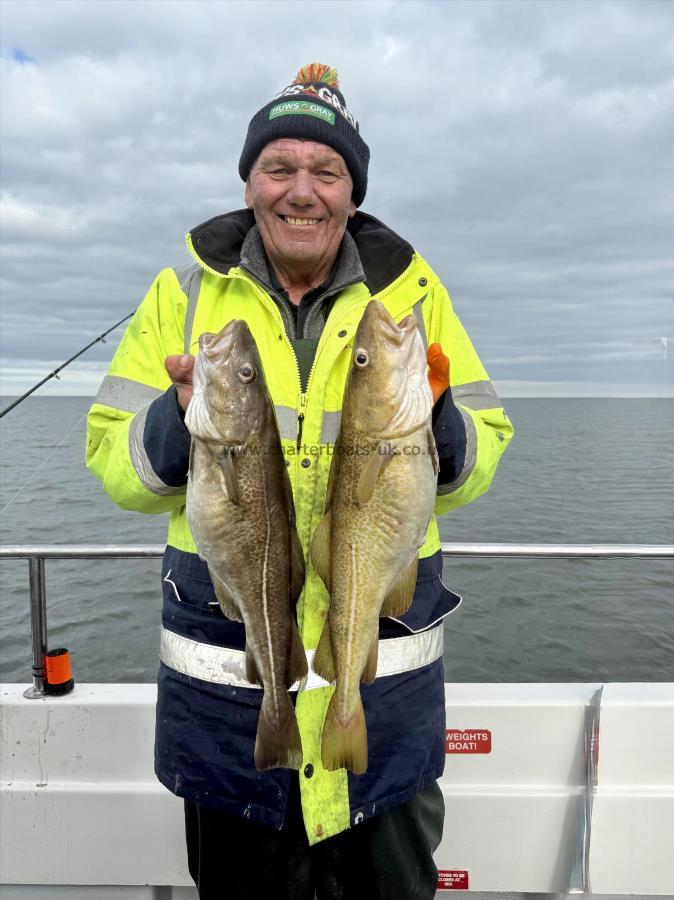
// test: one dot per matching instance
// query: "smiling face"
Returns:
(300, 192)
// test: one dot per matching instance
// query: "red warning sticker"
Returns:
(452, 880)
(467, 740)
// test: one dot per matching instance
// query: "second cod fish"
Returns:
(240, 510)
(381, 493)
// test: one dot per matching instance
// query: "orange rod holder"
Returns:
(58, 672)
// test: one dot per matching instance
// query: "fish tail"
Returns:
(344, 744)
(278, 744)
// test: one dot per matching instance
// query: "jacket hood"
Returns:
(384, 255)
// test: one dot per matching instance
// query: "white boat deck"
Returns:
(531, 807)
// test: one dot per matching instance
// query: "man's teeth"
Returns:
(291, 220)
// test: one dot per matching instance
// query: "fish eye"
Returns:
(361, 358)
(246, 373)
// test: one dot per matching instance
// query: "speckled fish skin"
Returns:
(240, 512)
(380, 500)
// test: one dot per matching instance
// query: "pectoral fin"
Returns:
(225, 598)
(399, 598)
(224, 457)
(375, 465)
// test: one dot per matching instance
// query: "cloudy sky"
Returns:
(524, 148)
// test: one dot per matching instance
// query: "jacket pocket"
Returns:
(431, 602)
(190, 606)
(193, 592)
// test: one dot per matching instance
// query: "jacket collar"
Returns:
(384, 255)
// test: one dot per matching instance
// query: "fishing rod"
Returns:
(54, 374)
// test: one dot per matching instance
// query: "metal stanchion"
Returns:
(38, 618)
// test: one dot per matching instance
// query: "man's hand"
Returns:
(179, 370)
(438, 371)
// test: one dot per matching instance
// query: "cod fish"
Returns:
(240, 510)
(380, 498)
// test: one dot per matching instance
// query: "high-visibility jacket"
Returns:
(137, 444)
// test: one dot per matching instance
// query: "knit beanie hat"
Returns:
(312, 107)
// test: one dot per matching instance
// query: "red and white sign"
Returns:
(452, 880)
(467, 740)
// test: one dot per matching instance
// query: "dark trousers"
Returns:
(387, 857)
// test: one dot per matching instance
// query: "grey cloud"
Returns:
(522, 147)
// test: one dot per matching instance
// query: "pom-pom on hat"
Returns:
(313, 108)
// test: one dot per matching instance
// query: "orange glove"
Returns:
(438, 371)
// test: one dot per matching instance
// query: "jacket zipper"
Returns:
(300, 423)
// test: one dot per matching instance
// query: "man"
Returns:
(299, 265)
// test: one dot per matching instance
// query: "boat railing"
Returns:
(37, 554)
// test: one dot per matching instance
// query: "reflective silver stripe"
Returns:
(330, 428)
(476, 395)
(286, 416)
(473, 395)
(125, 394)
(469, 462)
(221, 665)
(141, 462)
(404, 654)
(189, 278)
(419, 316)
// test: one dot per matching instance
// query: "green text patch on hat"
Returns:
(302, 108)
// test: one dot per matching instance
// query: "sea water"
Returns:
(578, 471)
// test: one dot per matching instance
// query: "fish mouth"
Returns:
(235, 334)
(206, 339)
(395, 332)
